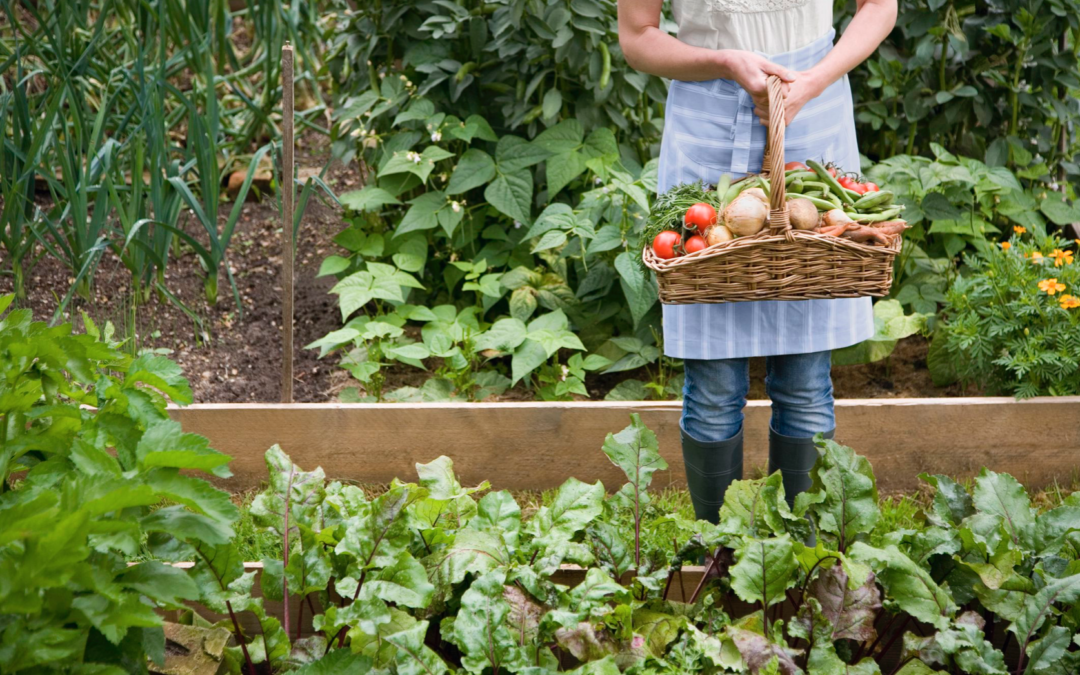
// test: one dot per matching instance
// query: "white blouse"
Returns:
(766, 26)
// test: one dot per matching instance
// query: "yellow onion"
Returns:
(755, 192)
(746, 215)
(803, 214)
(717, 234)
(834, 218)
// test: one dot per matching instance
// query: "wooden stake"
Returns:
(288, 245)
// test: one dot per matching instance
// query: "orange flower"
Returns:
(1035, 256)
(1005, 246)
(1062, 257)
(1069, 302)
(1051, 286)
(1019, 230)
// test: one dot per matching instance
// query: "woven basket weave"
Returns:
(778, 263)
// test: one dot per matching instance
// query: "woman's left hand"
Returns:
(800, 92)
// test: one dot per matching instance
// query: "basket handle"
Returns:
(773, 163)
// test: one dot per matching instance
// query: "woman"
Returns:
(718, 65)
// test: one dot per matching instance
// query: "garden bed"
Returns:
(537, 445)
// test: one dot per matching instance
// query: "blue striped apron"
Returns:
(710, 129)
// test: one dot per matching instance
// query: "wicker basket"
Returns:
(778, 263)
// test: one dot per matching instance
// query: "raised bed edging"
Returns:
(539, 445)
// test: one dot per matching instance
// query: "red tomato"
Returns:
(797, 166)
(664, 244)
(872, 187)
(832, 171)
(700, 216)
(851, 184)
(695, 243)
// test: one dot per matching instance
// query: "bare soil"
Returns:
(234, 356)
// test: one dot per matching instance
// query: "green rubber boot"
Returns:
(794, 457)
(710, 469)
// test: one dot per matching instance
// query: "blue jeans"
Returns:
(799, 385)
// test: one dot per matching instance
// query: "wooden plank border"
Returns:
(539, 445)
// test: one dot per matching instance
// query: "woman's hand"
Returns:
(804, 89)
(752, 73)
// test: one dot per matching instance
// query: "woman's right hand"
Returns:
(752, 72)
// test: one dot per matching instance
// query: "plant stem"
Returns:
(240, 638)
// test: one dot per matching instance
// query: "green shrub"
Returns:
(957, 204)
(89, 478)
(1011, 322)
(994, 80)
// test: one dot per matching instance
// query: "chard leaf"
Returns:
(413, 656)
(472, 552)
(1002, 495)
(576, 505)
(480, 627)
(765, 568)
(760, 506)
(293, 498)
(758, 652)
(843, 498)
(909, 585)
(849, 612)
(636, 451)
(1040, 605)
(952, 503)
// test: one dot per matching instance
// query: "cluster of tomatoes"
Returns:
(845, 181)
(698, 218)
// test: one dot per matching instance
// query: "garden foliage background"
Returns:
(510, 165)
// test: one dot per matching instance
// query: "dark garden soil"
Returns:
(230, 356)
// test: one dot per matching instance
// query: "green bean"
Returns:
(797, 175)
(822, 204)
(873, 199)
(827, 178)
(876, 217)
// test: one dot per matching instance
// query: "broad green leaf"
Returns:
(475, 168)
(513, 153)
(505, 335)
(369, 198)
(576, 504)
(165, 445)
(764, 569)
(480, 626)
(1002, 495)
(414, 657)
(170, 586)
(512, 194)
(636, 451)
(1039, 606)
(528, 356)
(563, 168)
(843, 497)
(639, 288)
(563, 137)
(912, 587)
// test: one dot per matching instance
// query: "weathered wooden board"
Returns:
(539, 445)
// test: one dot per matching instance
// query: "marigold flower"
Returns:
(1019, 230)
(1035, 256)
(1062, 257)
(1005, 246)
(1069, 302)
(1051, 286)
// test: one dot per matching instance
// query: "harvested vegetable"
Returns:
(835, 217)
(664, 244)
(718, 234)
(700, 217)
(892, 227)
(865, 233)
(746, 215)
(756, 192)
(695, 244)
(795, 166)
(803, 214)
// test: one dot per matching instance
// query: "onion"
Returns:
(834, 218)
(755, 192)
(717, 234)
(803, 214)
(745, 216)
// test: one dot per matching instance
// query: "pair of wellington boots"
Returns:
(712, 466)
